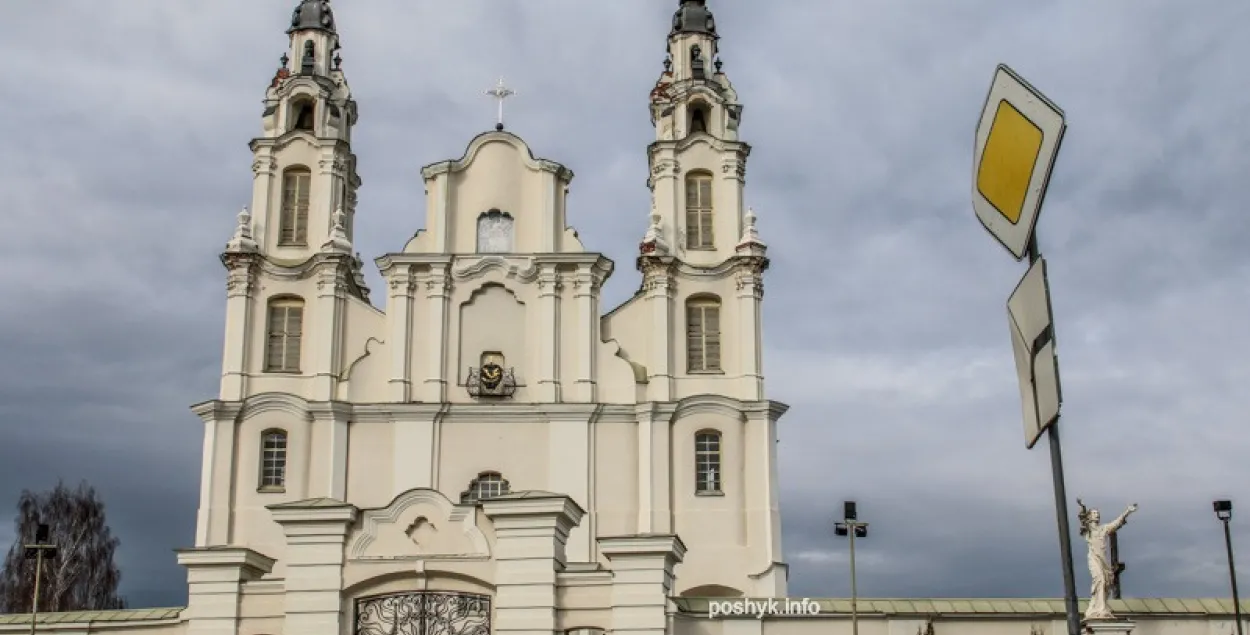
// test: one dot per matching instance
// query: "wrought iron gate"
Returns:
(423, 613)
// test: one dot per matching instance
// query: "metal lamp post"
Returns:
(42, 548)
(852, 528)
(1224, 512)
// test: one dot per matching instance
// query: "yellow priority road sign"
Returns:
(1016, 144)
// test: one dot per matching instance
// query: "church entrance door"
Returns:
(423, 613)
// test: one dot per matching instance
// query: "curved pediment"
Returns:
(420, 524)
(497, 136)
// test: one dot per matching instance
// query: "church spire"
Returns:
(693, 16)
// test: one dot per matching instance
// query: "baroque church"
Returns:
(484, 448)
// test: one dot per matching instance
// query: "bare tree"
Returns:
(83, 576)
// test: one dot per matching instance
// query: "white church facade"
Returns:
(494, 452)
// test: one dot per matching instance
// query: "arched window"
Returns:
(486, 485)
(293, 224)
(698, 119)
(273, 460)
(703, 335)
(285, 333)
(699, 211)
(707, 474)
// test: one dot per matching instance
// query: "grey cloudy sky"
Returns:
(123, 162)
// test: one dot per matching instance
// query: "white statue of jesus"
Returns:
(1100, 571)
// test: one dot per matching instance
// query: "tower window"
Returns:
(273, 460)
(703, 335)
(293, 225)
(285, 333)
(303, 118)
(707, 472)
(699, 211)
(698, 120)
(486, 485)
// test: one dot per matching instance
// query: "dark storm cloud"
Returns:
(125, 160)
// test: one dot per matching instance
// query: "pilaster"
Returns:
(316, 531)
(642, 578)
(399, 308)
(658, 285)
(241, 278)
(749, 281)
(586, 286)
(549, 289)
(328, 325)
(264, 182)
(437, 294)
(531, 530)
(655, 504)
(666, 195)
(415, 450)
(212, 526)
(215, 578)
(330, 460)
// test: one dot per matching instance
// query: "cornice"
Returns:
(497, 136)
(216, 410)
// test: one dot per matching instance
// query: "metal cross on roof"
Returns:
(500, 92)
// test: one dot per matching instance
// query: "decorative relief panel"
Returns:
(494, 232)
(420, 524)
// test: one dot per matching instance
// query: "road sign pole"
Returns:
(1061, 505)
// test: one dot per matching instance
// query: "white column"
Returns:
(657, 284)
(315, 538)
(437, 293)
(568, 437)
(399, 313)
(586, 295)
(550, 229)
(642, 578)
(530, 536)
(549, 288)
(215, 580)
(750, 286)
(728, 198)
(240, 288)
(442, 214)
(327, 321)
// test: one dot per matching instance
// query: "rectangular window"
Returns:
(699, 212)
(273, 460)
(703, 337)
(284, 337)
(707, 462)
(293, 225)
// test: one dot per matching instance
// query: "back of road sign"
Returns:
(1017, 141)
(1033, 342)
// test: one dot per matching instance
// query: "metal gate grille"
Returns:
(423, 613)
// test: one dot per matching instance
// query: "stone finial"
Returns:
(242, 240)
(338, 242)
(750, 236)
(653, 243)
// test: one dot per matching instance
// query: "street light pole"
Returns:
(42, 548)
(1224, 512)
(852, 528)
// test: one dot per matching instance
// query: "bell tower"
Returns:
(701, 258)
(291, 265)
(304, 167)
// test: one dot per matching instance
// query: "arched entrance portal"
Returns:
(423, 613)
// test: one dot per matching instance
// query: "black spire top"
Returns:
(693, 16)
(312, 15)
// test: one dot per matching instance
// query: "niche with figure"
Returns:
(494, 232)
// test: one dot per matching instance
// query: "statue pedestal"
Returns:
(1107, 627)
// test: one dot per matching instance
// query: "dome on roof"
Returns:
(312, 15)
(693, 16)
